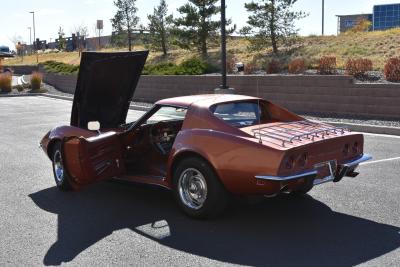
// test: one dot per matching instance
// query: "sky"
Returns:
(51, 14)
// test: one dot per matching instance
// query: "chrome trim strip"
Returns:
(287, 178)
(355, 162)
(326, 179)
(346, 165)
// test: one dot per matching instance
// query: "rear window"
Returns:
(238, 114)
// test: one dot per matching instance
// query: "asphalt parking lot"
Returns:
(356, 221)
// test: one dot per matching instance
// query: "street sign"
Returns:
(99, 25)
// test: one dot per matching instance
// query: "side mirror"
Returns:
(93, 125)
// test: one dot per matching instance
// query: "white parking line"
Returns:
(382, 135)
(381, 160)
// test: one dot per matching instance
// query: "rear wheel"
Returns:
(60, 175)
(197, 189)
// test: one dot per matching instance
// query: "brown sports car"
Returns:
(202, 147)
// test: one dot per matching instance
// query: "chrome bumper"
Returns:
(344, 169)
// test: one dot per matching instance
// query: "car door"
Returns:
(88, 160)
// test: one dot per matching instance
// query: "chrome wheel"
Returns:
(192, 188)
(58, 167)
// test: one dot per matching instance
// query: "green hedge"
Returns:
(59, 67)
(193, 66)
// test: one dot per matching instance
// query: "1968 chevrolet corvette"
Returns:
(202, 147)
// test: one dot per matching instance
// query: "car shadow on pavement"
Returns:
(283, 231)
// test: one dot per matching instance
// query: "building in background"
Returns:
(346, 22)
(384, 17)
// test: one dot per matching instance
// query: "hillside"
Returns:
(377, 46)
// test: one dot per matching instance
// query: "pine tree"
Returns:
(196, 28)
(271, 21)
(125, 19)
(160, 27)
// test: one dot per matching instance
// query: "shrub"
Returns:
(59, 67)
(5, 82)
(249, 68)
(36, 80)
(274, 67)
(160, 69)
(327, 65)
(358, 67)
(193, 66)
(392, 70)
(297, 66)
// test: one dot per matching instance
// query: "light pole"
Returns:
(34, 35)
(30, 39)
(323, 17)
(223, 88)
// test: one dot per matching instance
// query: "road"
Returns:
(356, 221)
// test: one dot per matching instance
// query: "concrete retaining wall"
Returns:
(304, 94)
(64, 83)
(22, 69)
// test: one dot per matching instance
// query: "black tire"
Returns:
(216, 198)
(62, 179)
(308, 185)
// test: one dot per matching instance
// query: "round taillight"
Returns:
(289, 162)
(355, 148)
(346, 149)
(302, 161)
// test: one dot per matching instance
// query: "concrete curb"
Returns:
(351, 126)
(368, 128)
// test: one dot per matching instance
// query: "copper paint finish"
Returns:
(236, 154)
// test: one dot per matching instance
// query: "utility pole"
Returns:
(30, 39)
(223, 45)
(323, 17)
(34, 36)
(223, 88)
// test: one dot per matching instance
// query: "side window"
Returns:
(167, 114)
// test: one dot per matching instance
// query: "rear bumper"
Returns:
(342, 170)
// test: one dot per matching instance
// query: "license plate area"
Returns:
(325, 172)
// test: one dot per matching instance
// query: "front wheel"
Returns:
(60, 174)
(197, 189)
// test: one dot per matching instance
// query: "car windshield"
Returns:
(238, 114)
(167, 114)
(4, 49)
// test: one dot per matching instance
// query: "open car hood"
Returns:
(105, 87)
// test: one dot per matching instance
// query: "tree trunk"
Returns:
(203, 34)
(163, 41)
(129, 30)
(274, 43)
(129, 39)
(204, 53)
(272, 28)
(164, 46)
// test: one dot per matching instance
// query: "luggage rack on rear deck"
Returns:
(298, 130)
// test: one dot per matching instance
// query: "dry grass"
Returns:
(377, 46)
